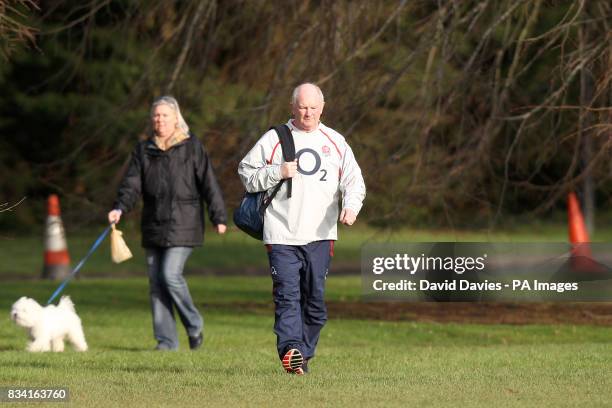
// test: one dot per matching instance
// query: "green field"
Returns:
(235, 251)
(359, 362)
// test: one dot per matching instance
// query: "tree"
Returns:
(14, 29)
(460, 112)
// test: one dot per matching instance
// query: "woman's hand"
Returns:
(114, 216)
(220, 228)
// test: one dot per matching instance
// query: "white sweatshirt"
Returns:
(327, 171)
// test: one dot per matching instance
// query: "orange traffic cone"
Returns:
(57, 260)
(580, 266)
(578, 235)
(581, 257)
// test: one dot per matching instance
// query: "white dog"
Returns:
(49, 326)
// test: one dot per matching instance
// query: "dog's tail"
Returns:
(66, 303)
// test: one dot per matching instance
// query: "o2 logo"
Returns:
(309, 163)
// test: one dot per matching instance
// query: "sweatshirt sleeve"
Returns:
(352, 185)
(256, 170)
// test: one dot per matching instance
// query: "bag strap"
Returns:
(288, 147)
(267, 200)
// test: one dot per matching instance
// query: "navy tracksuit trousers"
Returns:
(298, 276)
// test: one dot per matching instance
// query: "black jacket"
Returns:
(173, 185)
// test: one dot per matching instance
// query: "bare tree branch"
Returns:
(6, 207)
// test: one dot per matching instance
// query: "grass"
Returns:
(359, 362)
(236, 251)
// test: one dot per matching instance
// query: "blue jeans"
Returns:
(168, 290)
(298, 275)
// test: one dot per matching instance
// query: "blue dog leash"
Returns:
(74, 272)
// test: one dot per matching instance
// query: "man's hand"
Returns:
(114, 216)
(220, 228)
(288, 169)
(347, 216)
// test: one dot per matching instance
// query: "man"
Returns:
(299, 231)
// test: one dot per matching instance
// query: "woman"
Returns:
(172, 173)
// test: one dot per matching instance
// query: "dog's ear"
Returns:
(32, 304)
(20, 302)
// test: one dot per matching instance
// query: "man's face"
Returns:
(307, 108)
(164, 121)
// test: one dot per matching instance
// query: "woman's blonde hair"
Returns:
(173, 104)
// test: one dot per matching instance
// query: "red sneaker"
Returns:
(292, 362)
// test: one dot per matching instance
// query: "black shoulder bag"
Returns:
(249, 216)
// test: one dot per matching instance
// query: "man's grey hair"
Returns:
(172, 104)
(296, 91)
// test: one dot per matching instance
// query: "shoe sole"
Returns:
(292, 362)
